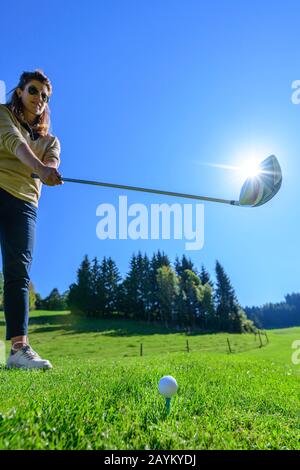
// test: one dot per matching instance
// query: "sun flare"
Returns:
(250, 169)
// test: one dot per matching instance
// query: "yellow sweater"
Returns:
(15, 176)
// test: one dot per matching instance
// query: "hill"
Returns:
(102, 394)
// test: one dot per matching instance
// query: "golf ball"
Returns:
(167, 386)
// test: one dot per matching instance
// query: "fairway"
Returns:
(102, 394)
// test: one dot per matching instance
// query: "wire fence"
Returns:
(233, 344)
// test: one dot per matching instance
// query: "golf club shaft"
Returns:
(147, 190)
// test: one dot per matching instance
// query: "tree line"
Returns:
(277, 315)
(54, 301)
(156, 292)
(153, 291)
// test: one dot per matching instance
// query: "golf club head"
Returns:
(259, 189)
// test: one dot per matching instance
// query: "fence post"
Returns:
(229, 347)
(187, 346)
(267, 338)
(141, 349)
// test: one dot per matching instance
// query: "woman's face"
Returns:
(34, 97)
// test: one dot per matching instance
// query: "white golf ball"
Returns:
(167, 386)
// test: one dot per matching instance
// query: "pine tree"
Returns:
(81, 293)
(229, 312)
(158, 260)
(132, 304)
(105, 286)
(112, 279)
(293, 300)
(162, 259)
(102, 293)
(143, 286)
(184, 265)
(146, 287)
(140, 272)
(97, 289)
(205, 277)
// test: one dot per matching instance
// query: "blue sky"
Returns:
(154, 93)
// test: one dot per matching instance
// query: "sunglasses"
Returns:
(32, 90)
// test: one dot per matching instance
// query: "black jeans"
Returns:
(17, 239)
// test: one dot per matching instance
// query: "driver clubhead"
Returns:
(259, 189)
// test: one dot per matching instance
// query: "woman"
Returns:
(25, 147)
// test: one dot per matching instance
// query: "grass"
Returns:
(102, 395)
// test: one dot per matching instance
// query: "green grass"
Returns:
(102, 395)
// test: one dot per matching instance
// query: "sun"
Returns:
(250, 169)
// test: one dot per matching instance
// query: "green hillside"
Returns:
(101, 394)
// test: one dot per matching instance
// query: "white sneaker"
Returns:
(27, 358)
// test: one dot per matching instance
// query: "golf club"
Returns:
(256, 190)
